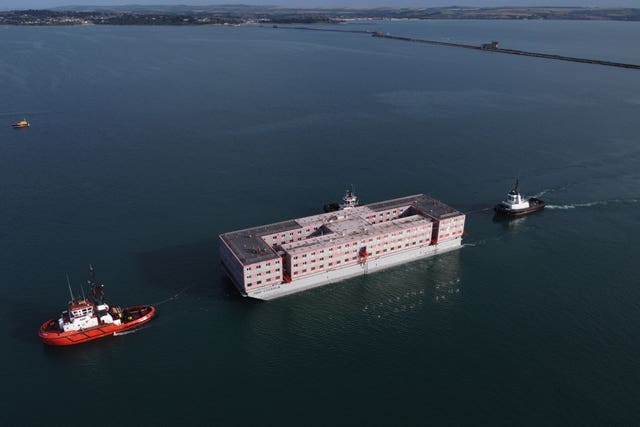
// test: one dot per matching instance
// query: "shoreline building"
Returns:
(274, 260)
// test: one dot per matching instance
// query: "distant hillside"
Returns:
(453, 12)
(238, 14)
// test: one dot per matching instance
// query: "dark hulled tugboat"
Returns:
(91, 318)
(516, 205)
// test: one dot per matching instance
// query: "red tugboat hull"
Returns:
(133, 317)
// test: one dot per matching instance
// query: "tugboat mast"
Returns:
(69, 284)
(96, 288)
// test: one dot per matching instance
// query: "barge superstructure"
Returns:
(274, 260)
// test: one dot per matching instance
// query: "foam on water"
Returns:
(595, 203)
(133, 331)
(574, 206)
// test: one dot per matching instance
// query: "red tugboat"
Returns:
(91, 318)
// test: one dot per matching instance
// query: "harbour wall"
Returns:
(489, 47)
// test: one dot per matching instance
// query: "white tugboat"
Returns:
(516, 205)
(349, 201)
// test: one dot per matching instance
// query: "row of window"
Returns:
(268, 264)
(354, 258)
(387, 213)
(452, 234)
(357, 245)
(82, 312)
(291, 233)
(266, 273)
(321, 267)
(266, 281)
(331, 249)
(452, 227)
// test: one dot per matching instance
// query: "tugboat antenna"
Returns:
(69, 284)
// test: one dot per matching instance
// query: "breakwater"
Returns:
(487, 47)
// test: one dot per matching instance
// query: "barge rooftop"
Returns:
(274, 260)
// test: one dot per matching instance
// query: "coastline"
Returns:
(238, 15)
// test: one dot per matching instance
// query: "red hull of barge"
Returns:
(140, 315)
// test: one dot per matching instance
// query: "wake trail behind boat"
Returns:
(551, 190)
(591, 204)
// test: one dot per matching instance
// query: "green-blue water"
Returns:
(148, 142)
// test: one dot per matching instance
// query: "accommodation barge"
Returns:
(274, 260)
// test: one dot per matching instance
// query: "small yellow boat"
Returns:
(21, 124)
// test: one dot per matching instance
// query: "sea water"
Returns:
(146, 143)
